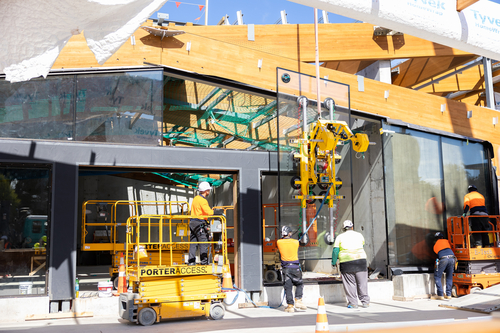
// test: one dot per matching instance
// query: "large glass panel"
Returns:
(465, 163)
(24, 223)
(203, 115)
(120, 107)
(37, 109)
(368, 193)
(426, 179)
(413, 195)
(296, 118)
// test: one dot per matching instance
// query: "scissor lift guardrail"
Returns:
(478, 267)
(107, 210)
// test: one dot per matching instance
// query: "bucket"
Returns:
(105, 289)
(25, 288)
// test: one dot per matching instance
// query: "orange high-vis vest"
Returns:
(475, 201)
(200, 208)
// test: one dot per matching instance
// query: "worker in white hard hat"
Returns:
(200, 209)
(290, 269)
(348, 248)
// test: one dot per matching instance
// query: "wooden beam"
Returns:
(467, 80)
(350, 67)
(462, 4)
(352, 41)
(416, 71)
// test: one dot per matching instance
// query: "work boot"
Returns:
(299, 305)
(290, 308)
(439, 298)
(447, 297)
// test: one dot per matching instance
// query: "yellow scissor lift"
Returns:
(104, 222)
(170, 289)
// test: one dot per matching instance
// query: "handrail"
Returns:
(113, 223)
(459, 230)
(170, 221)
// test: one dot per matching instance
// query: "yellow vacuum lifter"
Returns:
(175, 290)
(316, 158)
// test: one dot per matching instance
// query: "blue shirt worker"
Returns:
(475, 203)
(290, 269)
(445, 264)
(200, 209)
(348, 248)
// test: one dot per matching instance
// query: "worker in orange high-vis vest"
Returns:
(291, 274)
(197, 225)
(445, 263)
(475, 203)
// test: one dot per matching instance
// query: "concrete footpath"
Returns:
(381, 315)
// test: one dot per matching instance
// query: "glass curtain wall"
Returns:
(199, 114)
(123, 107)
(24, 224)
(294, 119)
(426, 178)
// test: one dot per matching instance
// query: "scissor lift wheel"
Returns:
(217, 311)
(475, 290)
(147, 317)
(271, 276)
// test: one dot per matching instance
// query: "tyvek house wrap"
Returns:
(476, 29)
(35, 31)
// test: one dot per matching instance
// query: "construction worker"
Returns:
(445, 263)
(474, 202)
(200, 209)
(348, 248)
(290, 269)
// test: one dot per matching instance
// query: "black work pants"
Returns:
(479, 223)
(198, 234)
(292, 277)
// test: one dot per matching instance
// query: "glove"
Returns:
(463, 214)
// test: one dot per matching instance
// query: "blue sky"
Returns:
(254, 11)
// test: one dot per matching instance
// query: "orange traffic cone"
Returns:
(321, 318)
(227, 281)
(122, 279)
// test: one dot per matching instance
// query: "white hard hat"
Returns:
(348, 224)
(204, 186)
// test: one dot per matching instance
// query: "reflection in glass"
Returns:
(24, 207)
(37, 109)
(465, 163)
(121, 107)
(202, 115)
(426, 178)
